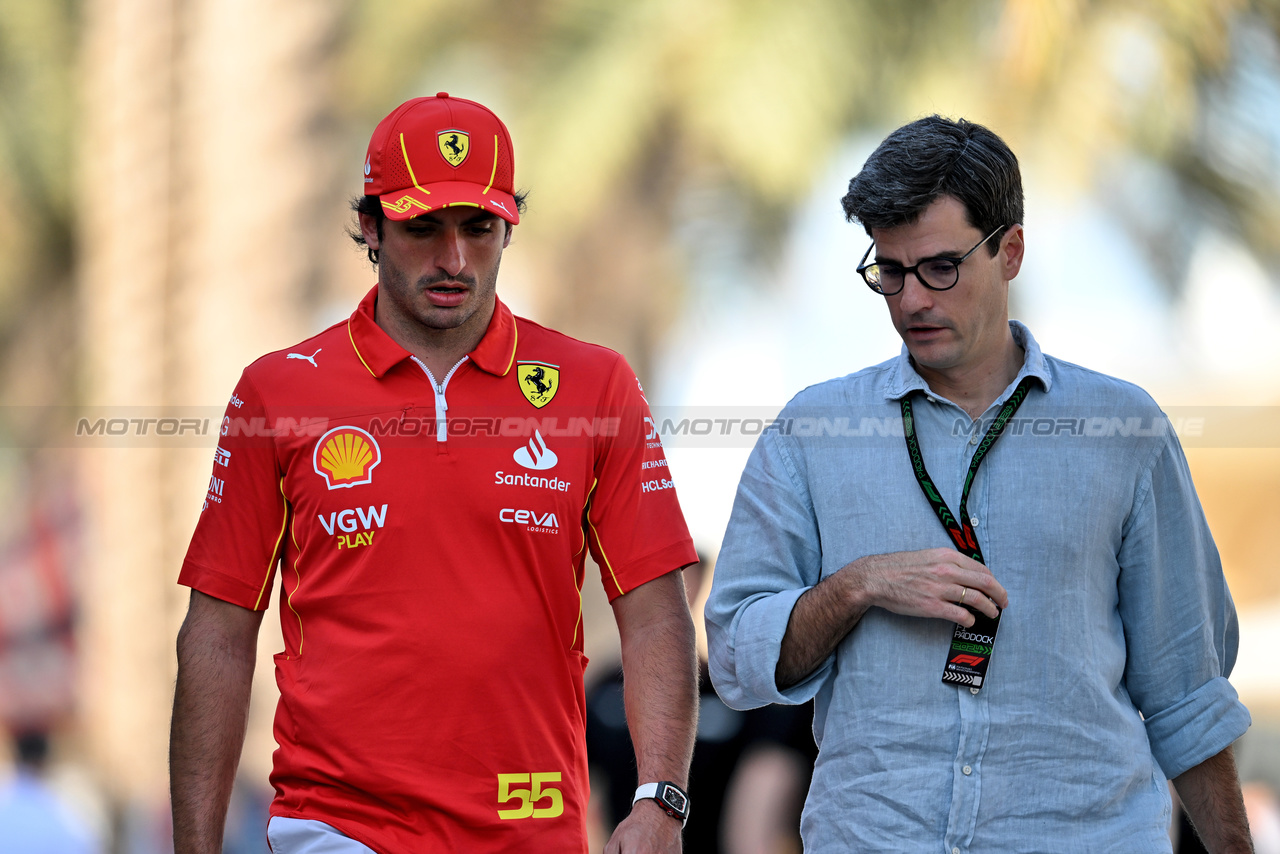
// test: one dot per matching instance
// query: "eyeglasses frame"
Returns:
(915, 268)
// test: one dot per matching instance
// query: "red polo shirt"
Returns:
(431, 534)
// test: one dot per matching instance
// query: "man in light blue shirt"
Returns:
(33, 818)
(839, 579)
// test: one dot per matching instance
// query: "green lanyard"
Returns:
(971, 648)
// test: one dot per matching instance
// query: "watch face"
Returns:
(675, 799)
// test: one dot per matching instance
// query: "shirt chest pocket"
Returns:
(865, 513)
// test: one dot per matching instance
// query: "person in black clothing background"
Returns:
(750, 769)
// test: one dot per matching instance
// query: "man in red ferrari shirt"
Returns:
(428, 477)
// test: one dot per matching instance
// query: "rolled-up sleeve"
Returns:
(771, 555)
(1179, 621)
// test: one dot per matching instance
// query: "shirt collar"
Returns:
(376, 350)
(903, 379)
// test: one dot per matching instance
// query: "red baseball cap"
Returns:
(431, 153)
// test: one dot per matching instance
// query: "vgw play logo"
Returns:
(354, 528)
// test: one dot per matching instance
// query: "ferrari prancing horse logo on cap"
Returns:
(455, 145)
(539, 382)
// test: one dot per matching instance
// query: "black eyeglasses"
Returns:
(936, 274)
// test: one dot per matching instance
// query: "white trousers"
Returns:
(306, 836)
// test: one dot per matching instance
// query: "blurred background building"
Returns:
(174, 179)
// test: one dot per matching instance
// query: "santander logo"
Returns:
(536, 455)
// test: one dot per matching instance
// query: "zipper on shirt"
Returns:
(442, 405)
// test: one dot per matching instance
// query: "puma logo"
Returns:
(311, 358)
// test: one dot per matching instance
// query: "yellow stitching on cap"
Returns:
(405, 152)
(495, 165)
(403, 203)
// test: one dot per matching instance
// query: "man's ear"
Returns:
(1012, 247)
(506, 240)
(369, 230)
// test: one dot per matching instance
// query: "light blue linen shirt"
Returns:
(34, 819)
(1109, 670)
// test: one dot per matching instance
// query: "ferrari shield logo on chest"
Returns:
(539, 382)
(455, 145)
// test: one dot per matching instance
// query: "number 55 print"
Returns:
(529, 789)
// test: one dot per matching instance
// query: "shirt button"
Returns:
(930, 398)
(973, 690)
(973, 520)
(967, 770)
(955, 851)
(973, 440)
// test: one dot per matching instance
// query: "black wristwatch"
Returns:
(673, 799)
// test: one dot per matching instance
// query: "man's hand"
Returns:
(647, 830)
(937, 583)
(930, 583)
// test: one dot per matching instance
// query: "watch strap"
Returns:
(645, 791)
(655, 792)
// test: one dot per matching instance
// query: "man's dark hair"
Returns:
(372, 206)
(32, 748)
(934, 157)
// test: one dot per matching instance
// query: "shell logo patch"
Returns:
(539, 382)
(454, 145)
(346, 456)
